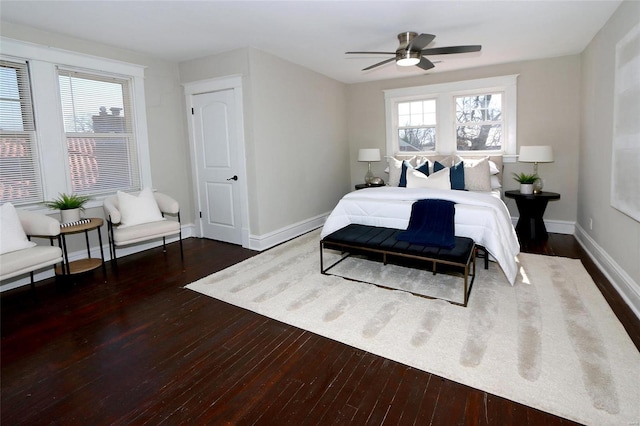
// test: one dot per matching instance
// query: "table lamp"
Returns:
(369, 155)
(536, 154)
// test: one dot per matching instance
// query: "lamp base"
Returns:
(369, 176)
(537, 186)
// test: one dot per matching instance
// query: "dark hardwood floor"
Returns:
(138, 348)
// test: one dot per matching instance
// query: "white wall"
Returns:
(614, 241)
(299, 140)
(295, 138)
(548, 114)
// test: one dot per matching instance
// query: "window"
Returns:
(101, 147)
(471, 115)
(417, 125)
(479, 122)
(76, 128)
(19, 170)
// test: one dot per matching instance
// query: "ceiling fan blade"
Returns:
(421, 42)
(451, 49)
(370, 53)
(425, 64)
(378, 64)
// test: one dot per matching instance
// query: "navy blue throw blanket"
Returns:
(431, 224)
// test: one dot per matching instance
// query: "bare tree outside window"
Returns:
(417, 125)
(479, 122)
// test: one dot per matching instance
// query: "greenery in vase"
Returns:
(525, 178)
(68, 202)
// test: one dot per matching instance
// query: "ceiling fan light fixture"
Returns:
(407, 58)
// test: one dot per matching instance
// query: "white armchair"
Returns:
(30, 259)
(121, 234)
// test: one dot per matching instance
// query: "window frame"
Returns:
(400, 127)
(446, 122)
(47, 105)
(28, 131)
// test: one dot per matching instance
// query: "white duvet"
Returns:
(481, 216)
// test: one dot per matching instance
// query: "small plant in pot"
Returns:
(526, 182)
(70, 206)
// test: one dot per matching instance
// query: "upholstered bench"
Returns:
(374, 239)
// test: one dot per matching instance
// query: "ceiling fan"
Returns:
(411, 51)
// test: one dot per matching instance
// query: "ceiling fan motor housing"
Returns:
(405, 38)
(405, 57)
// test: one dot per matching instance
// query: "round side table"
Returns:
(82, 265)
(531, 207)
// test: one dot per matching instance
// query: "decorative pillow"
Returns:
(425, 162)
(437, 180)
(456, 174)
(12, 236)
(136, 210)
(493, 168)
(395, 170)
(476, 175)
(406, 165)
(495, 182)
(424, 167)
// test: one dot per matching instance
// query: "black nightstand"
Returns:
(531, 208)
(366, 185)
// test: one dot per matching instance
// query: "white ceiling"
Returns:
(315, 34)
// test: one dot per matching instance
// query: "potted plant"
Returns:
(526, 182)
(70, 206)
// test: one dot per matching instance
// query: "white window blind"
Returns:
(20, 181)
(98, 123)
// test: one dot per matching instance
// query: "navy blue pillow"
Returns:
(403, 174)
(456, 174)
(424, 168)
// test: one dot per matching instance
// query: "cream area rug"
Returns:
(550, 341)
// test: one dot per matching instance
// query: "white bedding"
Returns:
(481, 216)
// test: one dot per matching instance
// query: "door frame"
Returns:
(234, 83)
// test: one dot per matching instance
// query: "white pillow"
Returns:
(493, 168)
(477, 176)
(395, 169)
(12, 236)
(495, 182)
(138, 210)
(437, 180)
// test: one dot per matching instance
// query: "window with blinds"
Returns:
(20, 181)
(98, 123)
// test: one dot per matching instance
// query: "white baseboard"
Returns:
(263, 242)
(555, 226)
(10, 284)
(628, 289)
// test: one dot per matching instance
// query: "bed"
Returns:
(480, 213)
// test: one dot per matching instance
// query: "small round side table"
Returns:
(531, 207)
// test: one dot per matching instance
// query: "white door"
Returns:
(216, 148)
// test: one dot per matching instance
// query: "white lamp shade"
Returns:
(369, 154)
(536, 154)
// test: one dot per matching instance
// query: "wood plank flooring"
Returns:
(138, 348)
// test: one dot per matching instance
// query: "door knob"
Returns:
(233, 178)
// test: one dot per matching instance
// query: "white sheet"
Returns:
(481, 216)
